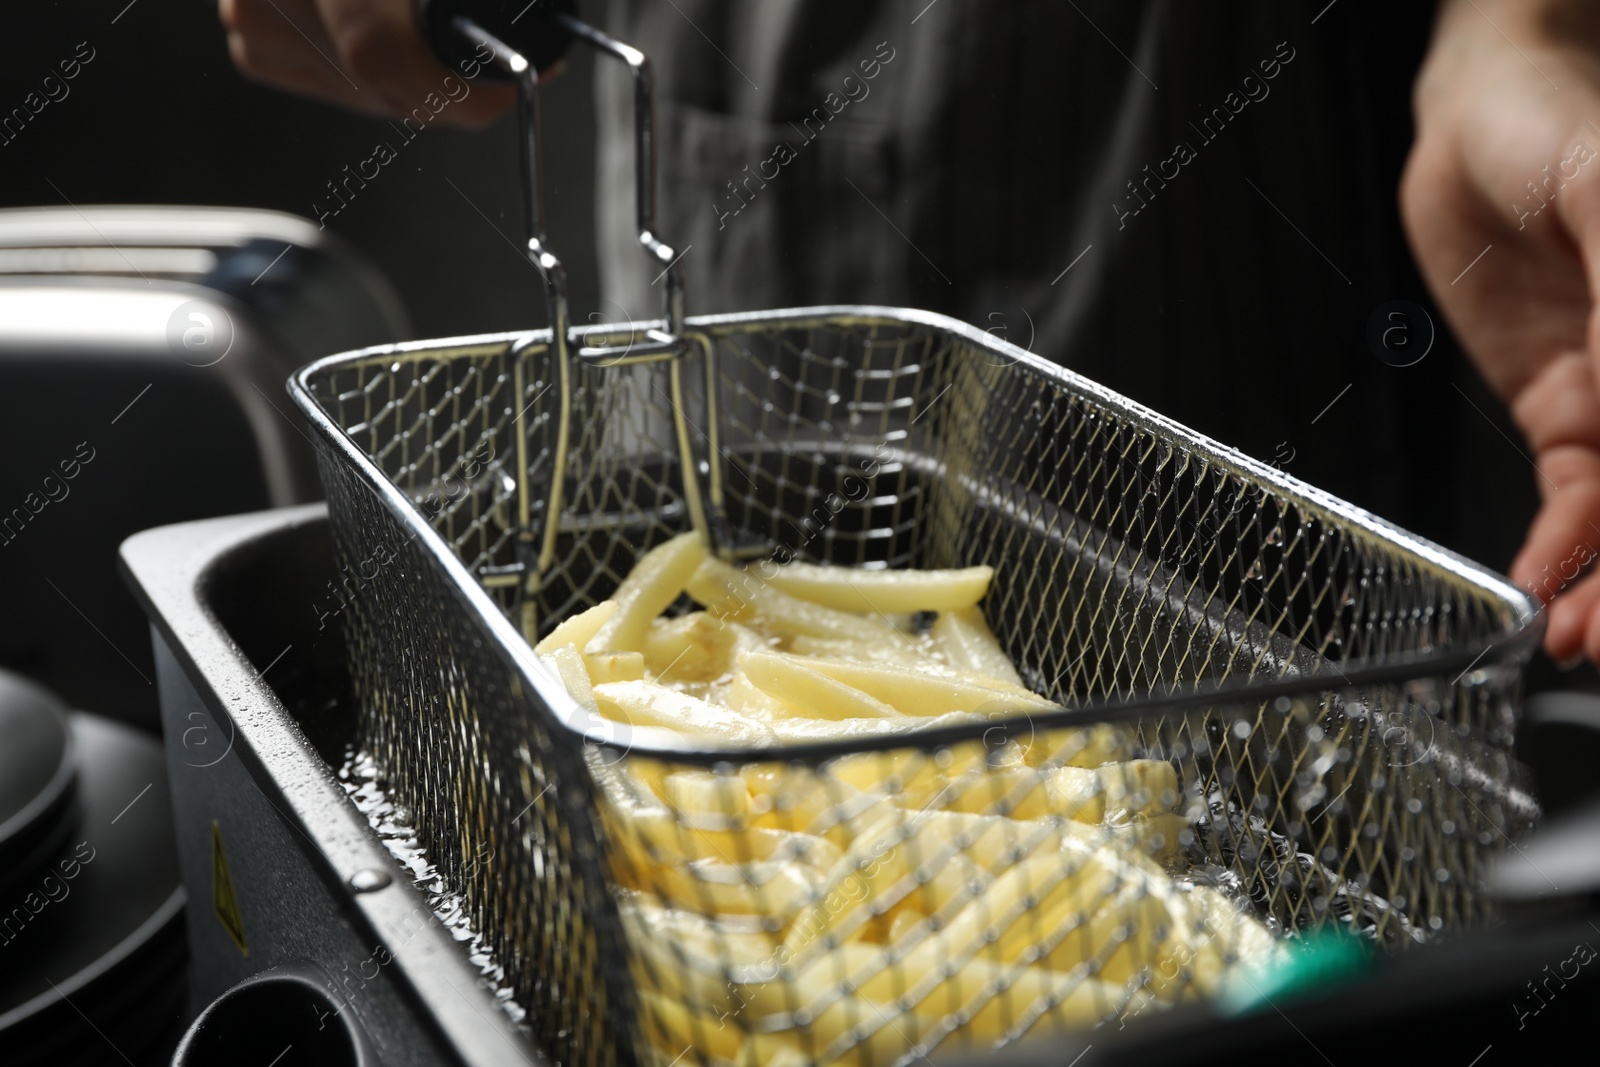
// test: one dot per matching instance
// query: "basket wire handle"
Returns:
(550, 267)
(656, 345)
(662, 256)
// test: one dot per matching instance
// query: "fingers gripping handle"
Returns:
(522, 38)
(527, 26)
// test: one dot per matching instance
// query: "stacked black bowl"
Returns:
(92, 949)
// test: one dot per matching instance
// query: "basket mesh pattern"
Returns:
(1017, 876)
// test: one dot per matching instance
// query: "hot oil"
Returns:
(363, 784)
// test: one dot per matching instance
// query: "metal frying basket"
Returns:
(1323, 704)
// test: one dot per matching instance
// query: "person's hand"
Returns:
(1510, 94)
(364, 54)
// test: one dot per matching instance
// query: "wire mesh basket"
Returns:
(1333, 700)
(1265, 712)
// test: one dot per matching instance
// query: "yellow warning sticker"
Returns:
(222, 896)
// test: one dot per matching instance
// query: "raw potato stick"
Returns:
(715, 801)
(905, 652)
(647, 704)
(614, 667)
(798, 731)
(794, 682)
(969, 644)
(693, 648)
(580, 629)
(742, 596)
(920, 693)
(898, 899)
(743, 695)
(569, 667)
(655, 582)
(884, 592)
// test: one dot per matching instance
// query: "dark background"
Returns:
(161, 116)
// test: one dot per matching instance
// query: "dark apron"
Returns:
(1193, 204)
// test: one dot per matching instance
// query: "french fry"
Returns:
(1040, 899)
(713, 887)
(964, 875)
(669, 1024)
(883, 773)
(884, 592)
(1096, 908)
(1139, 787)
(741, 596)
(802, 730)
(919, 693)
(1028, 793)
(913, 778)
(1090, 746)
(900, 926)
(929, 858)
(1225, 941)
(580, 629)
(1157, 837)
(800, 800)
(877, 873)
(647, 704)
(905, 898)
(793, 682)
(968, 643)
(1001, 686)
(653, 584)
(702, 799)
(780, 1056)
(743, 695)
(849, 907)
(813, 985)
(656, 835)
(629, 787)
(872, 1025)
(884, 1042)
(651, 834)
(897, 649)
(1126, 933)
(909, 652)
(692, 956)
(568, 664)
(614, 667)
(691, 648)
(1000, 1001)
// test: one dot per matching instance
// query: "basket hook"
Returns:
(663, 257)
